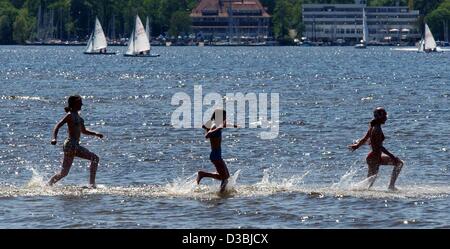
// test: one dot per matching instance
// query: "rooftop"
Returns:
(222, 7)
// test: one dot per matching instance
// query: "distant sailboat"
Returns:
(365, 39)
(97, 41)
(428, 44)
(139, 44)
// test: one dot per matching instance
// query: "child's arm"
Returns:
(88, 132)
(57, 126)
(212, 132)
(355, 146)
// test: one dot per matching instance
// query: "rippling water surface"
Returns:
(305, 178)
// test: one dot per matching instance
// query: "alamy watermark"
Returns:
(257, 116)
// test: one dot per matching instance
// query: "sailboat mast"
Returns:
(95, 27)
(134, 34)
(39, 23)
(147, 28)
(113, 27)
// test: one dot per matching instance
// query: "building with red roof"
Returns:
(230, 19)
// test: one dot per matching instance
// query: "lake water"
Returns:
(304, 178)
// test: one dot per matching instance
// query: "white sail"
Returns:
(99, 37)
(130, 50)
(365, 28)
(97, 40)
(141, 42)
(89, 44)
(422, 45)
(430, 43)
(138, 41)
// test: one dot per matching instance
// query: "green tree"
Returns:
(287, 19)
(8, 13)
(5, 30)
(387, 2)
(426, 6)
(280, 19)
(439, 19)
(22, 27)
(180, 23)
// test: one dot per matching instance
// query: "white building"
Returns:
(337, 23)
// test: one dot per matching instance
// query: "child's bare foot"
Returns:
(90, 186)
(393, 188)
(223, 185)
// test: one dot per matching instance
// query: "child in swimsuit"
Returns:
(379, 155)
(214, 132)
(72, 147)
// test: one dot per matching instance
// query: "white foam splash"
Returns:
(364, 184)
(180, 186)
(26, 98)
(345, 180)
(269, 185)
(36, 181)
(231, 186)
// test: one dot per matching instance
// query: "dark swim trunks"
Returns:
(215, 155)
(72, 147)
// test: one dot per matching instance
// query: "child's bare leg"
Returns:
(202, 174)
(223, 173)
(86, 154)
(67, 163)
(373, 171)
(386, 160)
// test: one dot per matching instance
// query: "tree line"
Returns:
(22, 20)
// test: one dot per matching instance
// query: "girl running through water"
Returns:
(379, 155)
(71, 145)
(214, 132)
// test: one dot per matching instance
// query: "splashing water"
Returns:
(36, 181)
(290, 184)
(347, 182)
(187, 188)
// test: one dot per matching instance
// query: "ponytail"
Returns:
(67, 109)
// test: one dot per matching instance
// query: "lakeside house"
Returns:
(231, 20)
(343, 23)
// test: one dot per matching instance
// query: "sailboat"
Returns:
(139, 44)
(97, 41)
(365, 39)
(428, 44)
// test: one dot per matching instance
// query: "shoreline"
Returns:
(175, 45)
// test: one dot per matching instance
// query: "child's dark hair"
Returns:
(71, 102)
(377, 113)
